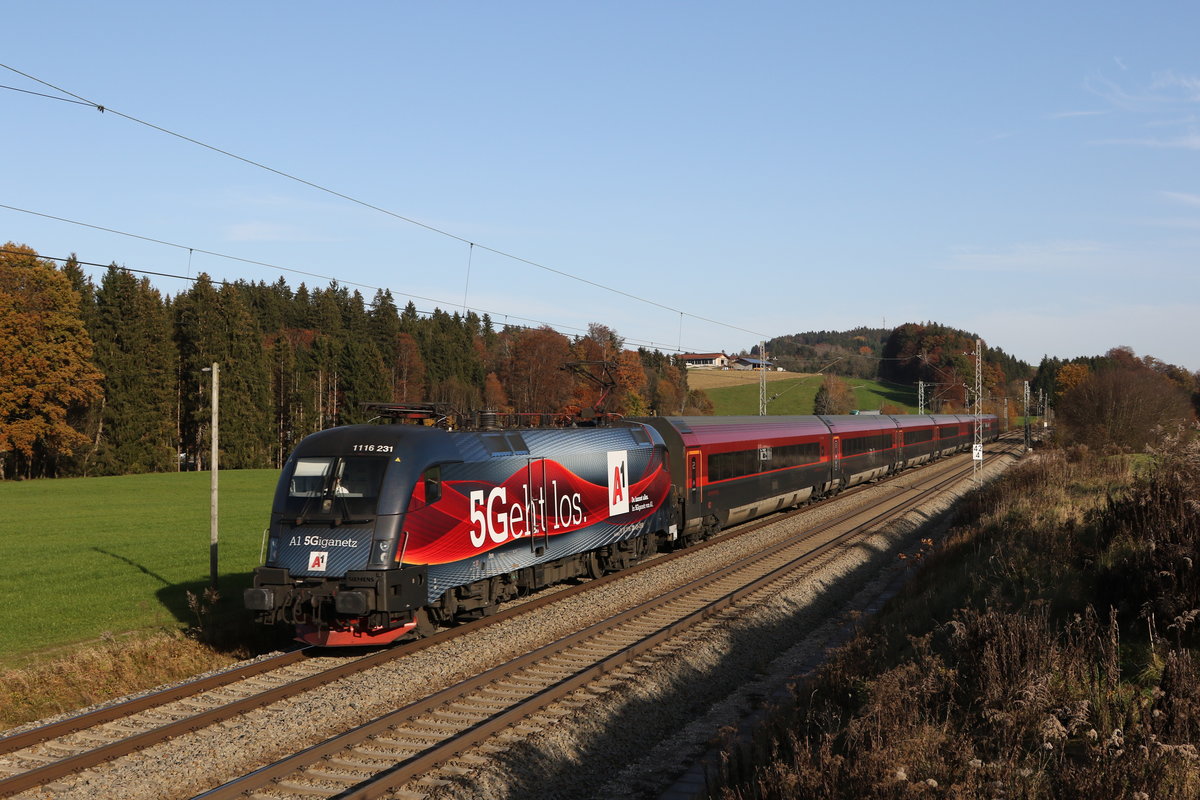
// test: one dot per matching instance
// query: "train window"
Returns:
(866, 444)
(916, 437)
(740, 463)
(308, 479)
(795, 455)
(504, 444)
(340, 487)
(495, 444)
(947, 431)
(337, 477)
(359, 477)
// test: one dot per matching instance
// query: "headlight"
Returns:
(259, 599)
(354, 603)
(381, 554)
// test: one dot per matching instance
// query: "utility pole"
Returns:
(977, 449)
(762, 379)
(215, 369)
(920, 397)
(1028, 434)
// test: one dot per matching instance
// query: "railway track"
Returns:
(551, 682)
(41, 756)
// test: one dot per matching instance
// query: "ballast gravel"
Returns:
(632, 740)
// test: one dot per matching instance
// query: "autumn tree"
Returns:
(834, 397)
(1069, 376)
(697, 404)
(45, 364)
(1122, 407)
(494, 396)
(532, 371)
(629, 395)
(666, 387)
(408, 370)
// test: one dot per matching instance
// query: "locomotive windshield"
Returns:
(338, 487)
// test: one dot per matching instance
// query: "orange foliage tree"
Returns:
(45, 361)
(1070, 376)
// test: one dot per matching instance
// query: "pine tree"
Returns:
(136, 431)
(216, 326)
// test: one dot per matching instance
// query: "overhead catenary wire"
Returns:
(557, 326)
(536, 323)
(78, 99)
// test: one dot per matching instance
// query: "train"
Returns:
(383, 531)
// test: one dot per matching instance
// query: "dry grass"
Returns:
(94, 674)
(1045, 652)
(705, 379)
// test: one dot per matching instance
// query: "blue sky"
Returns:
(1025, 171)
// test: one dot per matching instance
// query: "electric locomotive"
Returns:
(380, 530)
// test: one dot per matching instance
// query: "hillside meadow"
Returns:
(87, 558)
(735, 392)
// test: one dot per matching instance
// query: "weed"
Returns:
(110, 668)
(1058, 663)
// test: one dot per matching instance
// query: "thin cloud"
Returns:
(1178, 223)
(1167, 90)
(1043, 257)
(1116, 96)
(1070, 114)
(1187, 85)
(1189, 141)
(1185, 198)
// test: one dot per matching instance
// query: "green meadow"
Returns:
(83, 558)
(86, 557)
(796, 395)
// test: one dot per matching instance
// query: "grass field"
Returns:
(85, 557)
(736, 392)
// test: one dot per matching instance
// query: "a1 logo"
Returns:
(618, 482)
(317, 562)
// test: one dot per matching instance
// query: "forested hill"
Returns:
(853, 353)
(109, 379)
(873, 352)
(928, 352)
(925, 351)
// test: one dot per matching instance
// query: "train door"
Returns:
(695, 492)
(535, 479)
(836, 457)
